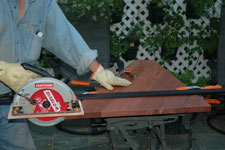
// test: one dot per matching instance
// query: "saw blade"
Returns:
(48, 100)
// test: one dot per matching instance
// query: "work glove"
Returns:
(107, 79)
(14, 75)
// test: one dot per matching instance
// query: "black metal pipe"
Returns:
(149, 93)
(8, 99)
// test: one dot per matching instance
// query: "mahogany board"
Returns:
(150, 76)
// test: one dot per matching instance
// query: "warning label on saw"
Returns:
(48, 100)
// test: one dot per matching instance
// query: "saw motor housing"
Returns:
(50, 101)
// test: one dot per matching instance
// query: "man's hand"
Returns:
(14, 75)
(106, 78)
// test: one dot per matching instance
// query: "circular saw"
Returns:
(44, 102)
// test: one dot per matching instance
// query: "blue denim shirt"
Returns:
(43, 25)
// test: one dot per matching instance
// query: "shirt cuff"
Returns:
(85, 61)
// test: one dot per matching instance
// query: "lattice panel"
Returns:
(136, 10)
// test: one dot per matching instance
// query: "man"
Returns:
(25, 27)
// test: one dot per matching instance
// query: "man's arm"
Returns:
(93, 66)
(65, 42)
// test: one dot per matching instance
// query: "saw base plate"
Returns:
(76, 112)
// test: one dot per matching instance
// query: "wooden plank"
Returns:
(150, 76)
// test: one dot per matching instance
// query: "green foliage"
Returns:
(45, 58)
(169, 35)
(203, 81)
(116, 11)
(117, 5)
(136, 33)
(201, 7)
(92, 9)
(223, 3)
(187, 76)
(158, 2)
(207, 38)
(118, 44)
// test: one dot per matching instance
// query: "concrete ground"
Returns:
(203, 137)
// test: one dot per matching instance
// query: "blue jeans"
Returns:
(14, 134)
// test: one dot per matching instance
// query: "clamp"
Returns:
(129, 72)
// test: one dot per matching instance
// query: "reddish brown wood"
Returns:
(150, 76)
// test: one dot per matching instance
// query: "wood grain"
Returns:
(150, 76)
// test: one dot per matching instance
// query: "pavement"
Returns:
(204, 137)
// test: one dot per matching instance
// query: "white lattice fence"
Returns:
(136, 10)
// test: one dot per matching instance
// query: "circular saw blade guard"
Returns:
(53, 100)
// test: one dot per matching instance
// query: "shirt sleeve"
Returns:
(63, 40)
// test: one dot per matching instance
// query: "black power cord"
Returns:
(210, 119)
(93, 125)
(218, 112)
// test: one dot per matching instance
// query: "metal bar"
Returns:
(149, 93)
(140, 94)
(119, 127)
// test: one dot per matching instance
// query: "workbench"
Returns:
(123, 114)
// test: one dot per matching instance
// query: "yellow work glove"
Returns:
(14, 75)
(106, 78)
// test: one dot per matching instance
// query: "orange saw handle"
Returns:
(84, 83)
(90, 83)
